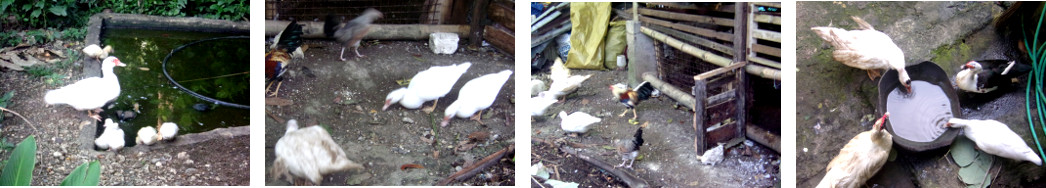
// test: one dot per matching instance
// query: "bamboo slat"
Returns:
(691, 29)
(686, 17)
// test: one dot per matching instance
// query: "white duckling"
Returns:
(866, 49)
(427, 85)
(477, 94)
(111, 138)
(540, 103)
(713, 156)
(996, 138)
(90, 93)
(147, 135)
(537, 86)
(168, 131)
(576, 122)
(860, 159)
(562, 82)
(309, 153)
(97, 52)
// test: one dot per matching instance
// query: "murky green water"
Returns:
(217, 69)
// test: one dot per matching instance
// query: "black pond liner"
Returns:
(929, 72)
(190, 92)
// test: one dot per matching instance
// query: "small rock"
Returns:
(189, 161)
(408, 120)
(57, 154)
(158, 164)
(183, 155)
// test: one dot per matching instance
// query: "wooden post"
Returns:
(479, 12)
(741, 56)
(699, 116)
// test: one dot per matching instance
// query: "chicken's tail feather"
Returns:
(290, 38)
(638, 140)
(644, 91)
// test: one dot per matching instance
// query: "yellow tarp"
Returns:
(589, 29)
(616, 42)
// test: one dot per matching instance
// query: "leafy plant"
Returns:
(86, 174)
(37, 71)
(19, 168)
(74, 33)
(4, 101)
(9, 38)
(54, 79)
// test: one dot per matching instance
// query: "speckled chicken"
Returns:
(996, 138)
(867, 49)
(860, 159)
(309, 153)
(349, 34)
(628, 149)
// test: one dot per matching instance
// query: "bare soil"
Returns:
(346, 98)
(667, 159)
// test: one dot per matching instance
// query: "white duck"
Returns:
(576, 122)
(309, 153)
(147, 135)
(477, 94)
(860, 159)
(111, 138)
(562, 82)
(97, 52)
(427, 85)
(90, 93)
(996, 138)
(540, 103)
(866, 49)
(168, 131)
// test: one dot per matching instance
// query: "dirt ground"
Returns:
(668, 157)
(832, 98)
(346, 98)
(65, 140)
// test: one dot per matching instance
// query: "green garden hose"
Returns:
(1035, 52)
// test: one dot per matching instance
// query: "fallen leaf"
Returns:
(276, 101)
(479, 136)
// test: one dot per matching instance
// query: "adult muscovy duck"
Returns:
(90, 93)
(988, 75)
(309, 153)
(427, 85)
(866, 48)
(577, 122)
(860, 159)
(477, 94)
(996, 138)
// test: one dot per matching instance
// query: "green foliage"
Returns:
(4, 101)
(75, 13)
(19, 168)
(74, 33)
(9, 38)
(84, 175)
(47, 73)
(37, 71)
(5, 145)
(225, 9)
(39, 36)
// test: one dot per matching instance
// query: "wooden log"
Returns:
(766, 35)
(768, 4)
(692, 38)
(723, 97)
(535, 41)
(479, 13)
(686, 17)
(708, 33)
(699, 117)
(722, 134)
(757, 70)
(486, 162)
(669, 90)
(764, 137)
(501, 38)
(742, 14)
(503, 14)
(768, 50)
(764, 61)
(762, 18)
(379, 31)
(673, 5)
(630, 179)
